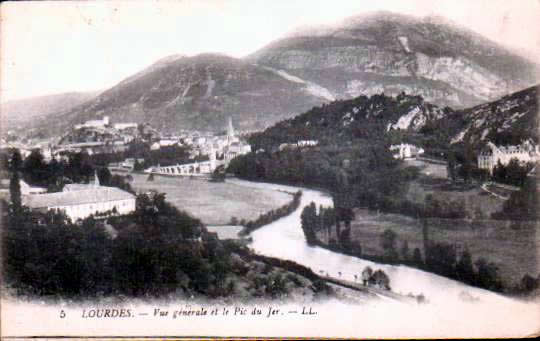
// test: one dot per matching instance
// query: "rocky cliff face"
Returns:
(199, 92)
(390, 53)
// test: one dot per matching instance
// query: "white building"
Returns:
(235, 149)
(299, 144)
(79, 201)
(406, 151)
(80, 204)
(491, 155)
(26, 189)
(122, 126)
(94, 123)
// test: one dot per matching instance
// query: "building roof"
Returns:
(77, 187)
(85, 196)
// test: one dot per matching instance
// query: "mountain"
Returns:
(509, 120)
(391, 53)
(19, 113)
(199, 92)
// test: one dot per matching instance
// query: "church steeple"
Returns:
(230, 130)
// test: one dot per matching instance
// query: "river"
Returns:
(285, 239)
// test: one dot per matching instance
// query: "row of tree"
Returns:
(514, 173)
(53, 175)
(272, 215)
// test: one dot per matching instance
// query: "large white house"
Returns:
(491, 155)
(406, 151)
(79, 202)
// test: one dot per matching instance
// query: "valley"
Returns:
(386, 160)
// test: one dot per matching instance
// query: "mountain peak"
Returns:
(388, 52)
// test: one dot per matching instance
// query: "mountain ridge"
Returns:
(391, 52)
(198, 92)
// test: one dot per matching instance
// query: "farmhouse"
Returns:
(491, 155)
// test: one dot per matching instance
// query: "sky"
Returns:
(54, 47)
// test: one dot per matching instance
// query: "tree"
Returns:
(515, 173)
(441, 258)
(14, 184)
(469, 162)
(405, 250)
(15, 163)
(15, 190)
(487, 276)
(104, 176)
(309, 221)
(464, 268)
(35, 168)
(451, 167)
(528, 284)
(380, 279)
(388, 244)
(417, 257)
(366, 275)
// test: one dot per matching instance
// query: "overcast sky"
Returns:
(54, 47)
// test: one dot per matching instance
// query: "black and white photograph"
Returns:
(269, 169)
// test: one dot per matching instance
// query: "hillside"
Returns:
(198, 92)
(391, 53)
(341, 122)
(19, 113)
(509, 120)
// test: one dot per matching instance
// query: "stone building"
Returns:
(79, 201)
(491, 155)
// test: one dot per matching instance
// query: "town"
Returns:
(382, 164)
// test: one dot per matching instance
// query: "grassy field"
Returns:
(215, 203)
(433, 181)
(514, 251)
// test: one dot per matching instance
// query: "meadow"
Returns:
(215, 203)
(514, 250)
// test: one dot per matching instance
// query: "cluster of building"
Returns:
(79, 201)
(491, 155)
(299, 144)
(220, 150)
(405, 151)
(98, 136)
